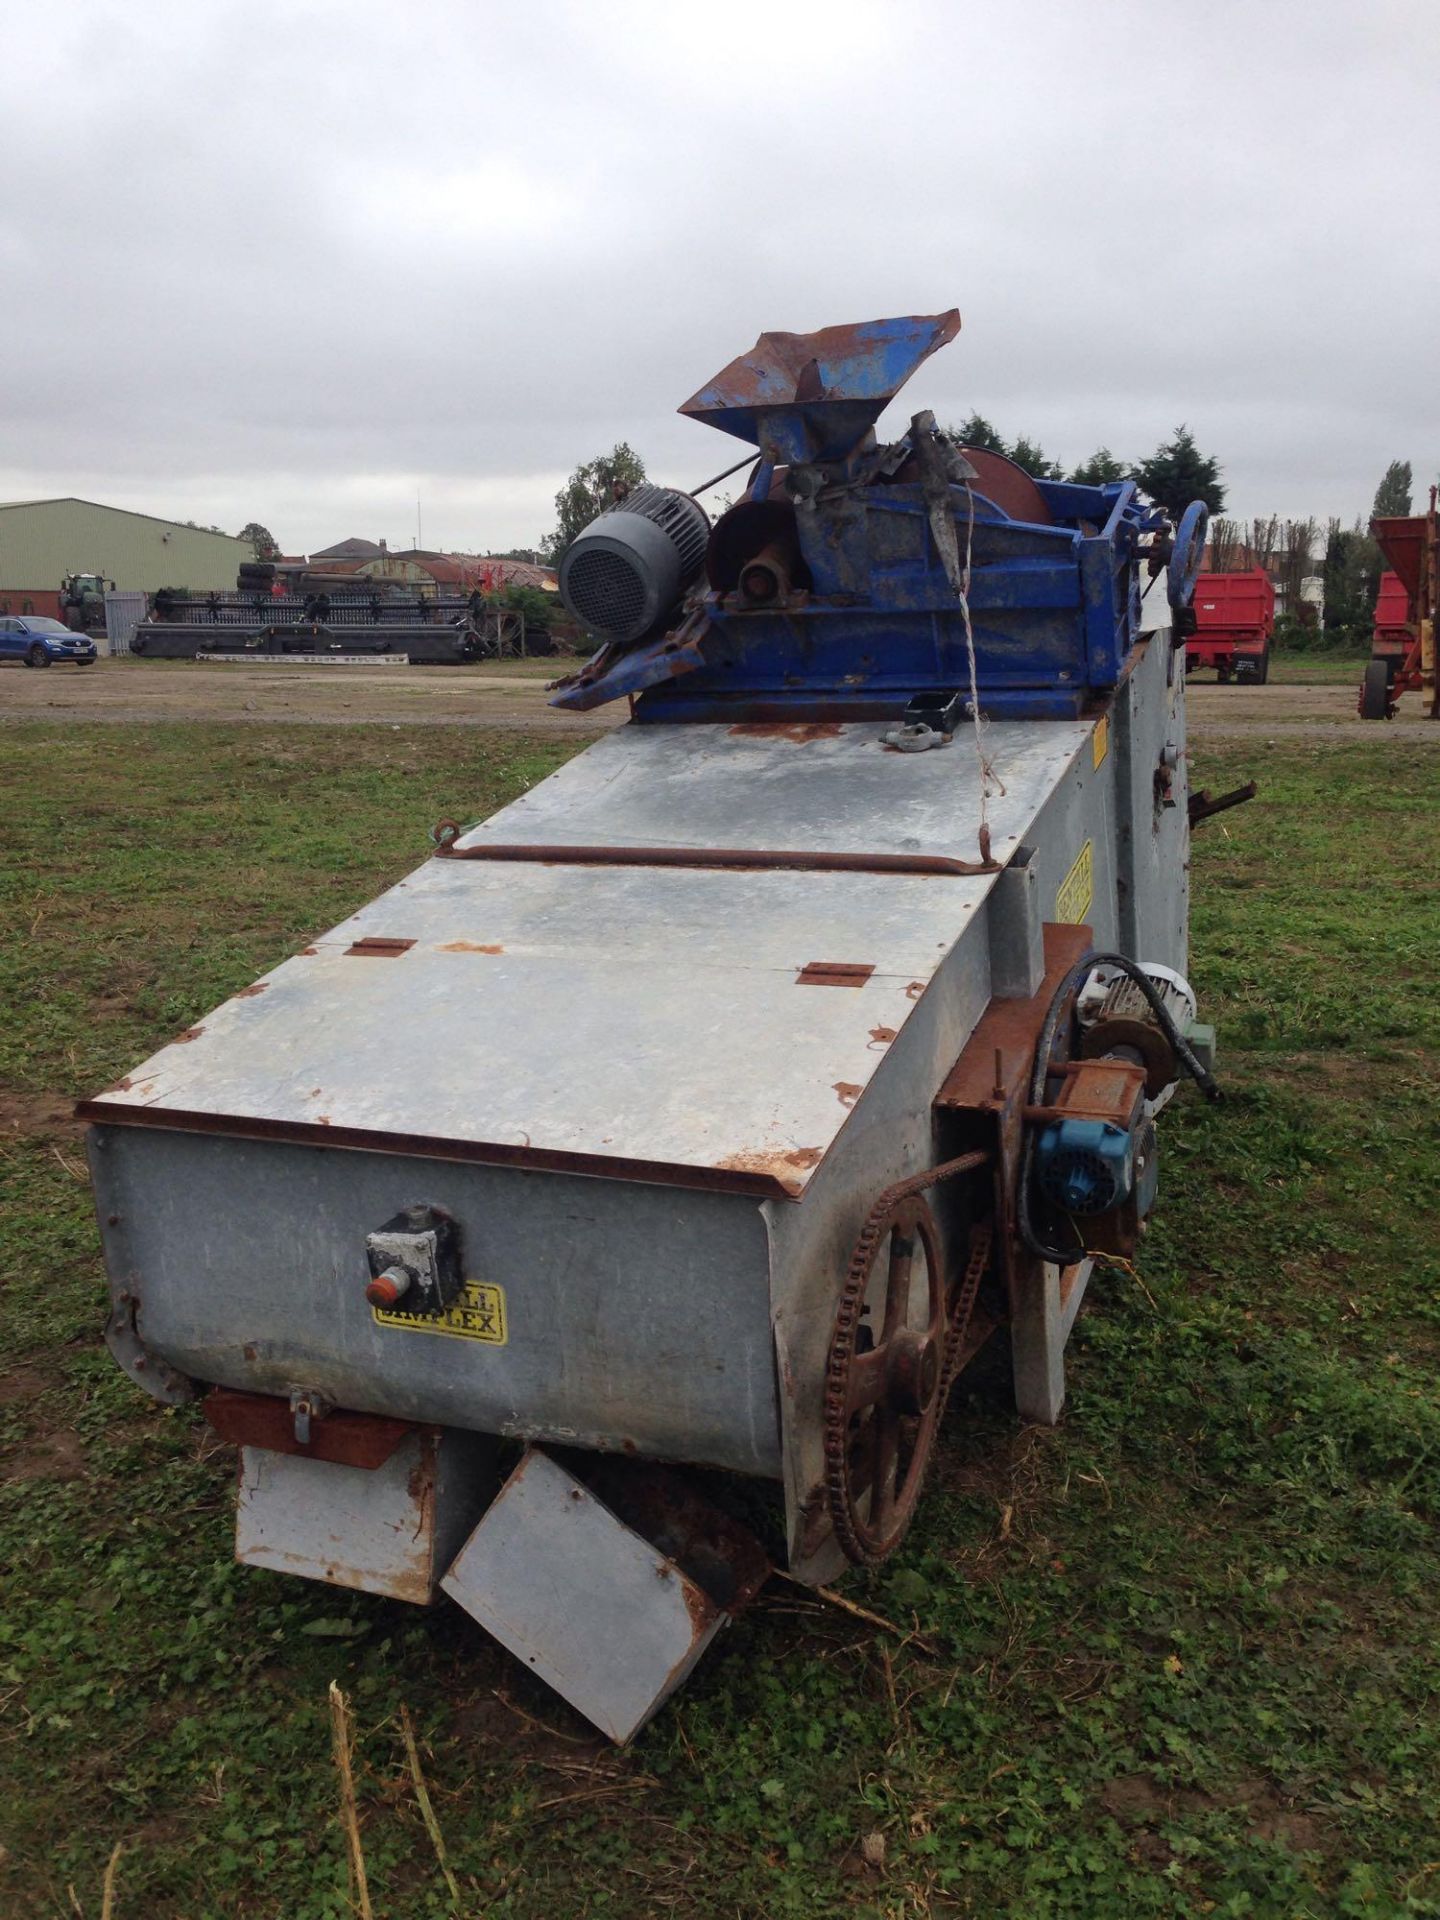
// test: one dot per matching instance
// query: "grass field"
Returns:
(1317, 669)
(1179, 1656)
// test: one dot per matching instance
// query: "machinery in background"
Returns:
(1403, 654)
(1394, 624)
(1234, 626)
(845, 579)
(82, 602)
(602, 1215)
(319, 615)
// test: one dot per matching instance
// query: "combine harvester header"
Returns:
(601, 1216)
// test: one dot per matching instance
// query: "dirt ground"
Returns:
(507, 695)
(512, 695)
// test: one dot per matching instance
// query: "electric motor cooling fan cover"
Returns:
(628, 569)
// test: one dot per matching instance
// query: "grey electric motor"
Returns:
(628, 569)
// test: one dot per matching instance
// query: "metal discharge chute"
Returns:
(600, 1217)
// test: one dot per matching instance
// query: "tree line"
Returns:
(1176, 473)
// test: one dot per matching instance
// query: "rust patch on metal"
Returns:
(915, 989)
(249, 993)
(307, 952)
(467, 946)
(261, 1420)
(190, 1033)
(848, 1092)
(834, 973)
(778, 1163)
(698, 1604)
(1003, 1043)
(882, 1036)
(120, 1086)
(378, 947)
(800, 731)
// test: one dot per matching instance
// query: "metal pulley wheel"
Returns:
(898, 1340)
(883, 1381)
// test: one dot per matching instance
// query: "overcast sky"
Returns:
(300, 262)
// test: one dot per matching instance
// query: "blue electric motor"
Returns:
(1089, 1167)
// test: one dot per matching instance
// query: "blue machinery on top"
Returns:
(837, 586)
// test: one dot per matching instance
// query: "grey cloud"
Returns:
(291, 261)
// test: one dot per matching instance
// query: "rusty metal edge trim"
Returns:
(305, 1133)
(745, 858)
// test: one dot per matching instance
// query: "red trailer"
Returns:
(1405, 663)
(1394, 630)
(1234, 619)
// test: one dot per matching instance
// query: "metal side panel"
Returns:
(633, 1318)
(1153, 839)
(391, 1530)
(891, 1135)
(581, 1599)
(1080, 864)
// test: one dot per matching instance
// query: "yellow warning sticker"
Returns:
(476, 1313)
(1100, 739)
(1077, 889)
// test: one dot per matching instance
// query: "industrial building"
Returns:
(43, 540)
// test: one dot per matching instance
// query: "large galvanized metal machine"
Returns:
(602, 1215)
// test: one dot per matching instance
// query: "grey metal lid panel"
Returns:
(624, 1017)
(826, 788)
(626, 1014)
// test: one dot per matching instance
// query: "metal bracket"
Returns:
(304, 1407)
(914, 737)
(160, 1380)
(930, 720)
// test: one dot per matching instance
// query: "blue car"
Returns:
(38, 641)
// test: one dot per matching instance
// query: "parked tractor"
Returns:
(82, 602)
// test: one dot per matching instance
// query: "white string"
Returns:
(990, 781)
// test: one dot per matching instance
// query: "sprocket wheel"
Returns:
(884, 1385)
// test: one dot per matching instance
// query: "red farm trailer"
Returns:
(1393, 623)
(1234, 619)
(1402, 658)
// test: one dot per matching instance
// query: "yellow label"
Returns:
(1100, 739)
(1077, 889)
(477, 1313)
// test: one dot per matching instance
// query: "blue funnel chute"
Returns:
(814, 396)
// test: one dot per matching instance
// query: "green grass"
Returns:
(1180, 1655)
(1317, 669)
